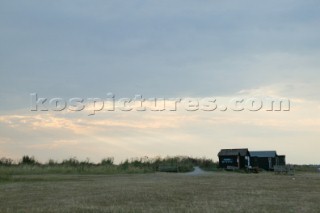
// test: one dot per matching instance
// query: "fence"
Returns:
(285, 169)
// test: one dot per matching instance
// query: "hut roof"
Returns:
(263, 154)
(233, 152)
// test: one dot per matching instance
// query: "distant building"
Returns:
(234, 158)
(242, 158)
(266, 159)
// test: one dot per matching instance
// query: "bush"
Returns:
(71, 162)
(6, 161)
(28, 160)
(52, 162)
(107, 161)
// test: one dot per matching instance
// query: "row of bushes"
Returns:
(106, 165)
(30, 160)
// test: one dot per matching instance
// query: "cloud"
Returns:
(130, 134)
(211, 48)
(158, 49)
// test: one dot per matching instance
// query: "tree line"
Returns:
(142, 164)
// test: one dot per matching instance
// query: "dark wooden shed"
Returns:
(234, 158)
(263, 159)
(266, 159)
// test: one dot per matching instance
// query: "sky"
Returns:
(159, 49)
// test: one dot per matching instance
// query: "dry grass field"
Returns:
(162, 192)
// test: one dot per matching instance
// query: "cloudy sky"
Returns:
(164, 49)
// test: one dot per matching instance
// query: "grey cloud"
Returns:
(156, 48)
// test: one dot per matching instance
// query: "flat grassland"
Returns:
(162, 192)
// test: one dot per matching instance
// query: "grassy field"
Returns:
(162, 192)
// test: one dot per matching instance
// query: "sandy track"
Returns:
(197, 172)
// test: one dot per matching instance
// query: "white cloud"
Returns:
(164, 49)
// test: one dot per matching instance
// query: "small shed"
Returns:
(236, 158)
(266, 159)
(263, 159)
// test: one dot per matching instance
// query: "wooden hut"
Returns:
(266, 159)
(234, 158)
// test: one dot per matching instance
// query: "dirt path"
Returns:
(197, 172)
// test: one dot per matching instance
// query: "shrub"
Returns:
(28, 160)
(71, 162)
(107, 161)
(52, 162)
(6, 161)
